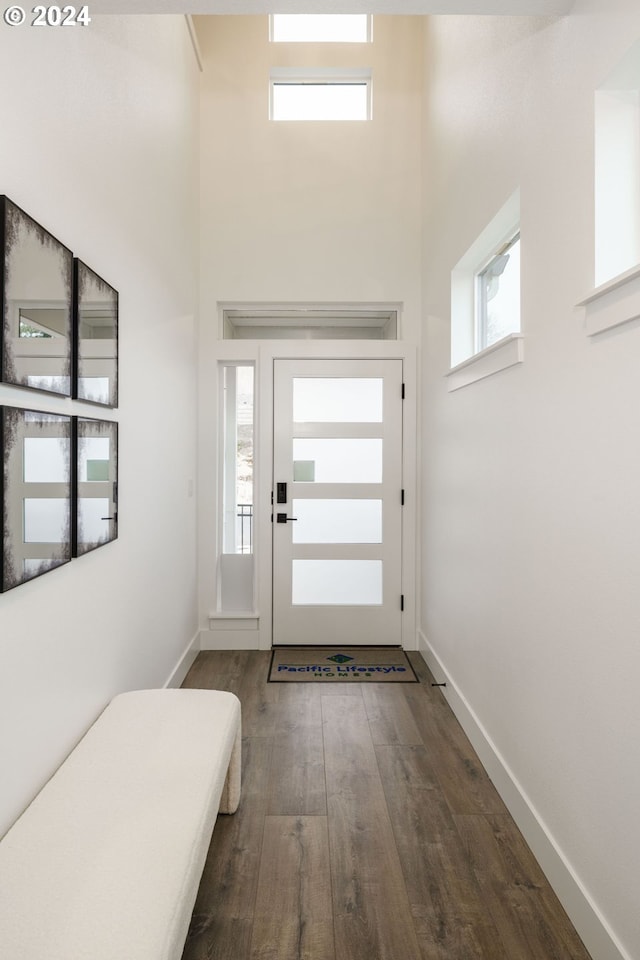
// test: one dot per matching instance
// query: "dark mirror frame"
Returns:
(83, 276)
(45, 298)
(16, 425)
(101, 486)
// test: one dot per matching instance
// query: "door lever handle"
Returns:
(283, 518)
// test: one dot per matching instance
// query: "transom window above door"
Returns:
(312, 321)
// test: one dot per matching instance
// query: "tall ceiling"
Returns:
(544, 8)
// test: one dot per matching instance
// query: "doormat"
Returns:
(341, 665)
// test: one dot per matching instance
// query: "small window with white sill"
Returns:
(617, 169)
(485, 301)
(615, 299)
(498, 295)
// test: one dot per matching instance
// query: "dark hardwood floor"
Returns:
(367, 830)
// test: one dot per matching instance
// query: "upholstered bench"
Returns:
(106, 861)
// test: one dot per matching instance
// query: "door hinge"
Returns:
(403, 391)
(402, 498)
(402, 601)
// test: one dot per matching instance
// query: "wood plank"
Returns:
(212, 937)
(297, 781)
(389, 715)
(446, 903)
(227, 892)
(464, 781)
(351, 767)
(217, 670)
(372, 914)
(525, 871)
(258, 697)
(338, 690)
(414, 797)
(421, 669)
(519, 906)
(446, 933)
(293, 913)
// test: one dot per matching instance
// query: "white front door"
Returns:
(337, 502)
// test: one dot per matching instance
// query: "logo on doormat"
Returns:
(340, 658)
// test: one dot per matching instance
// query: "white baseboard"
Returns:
(185, 662)
(589, 922)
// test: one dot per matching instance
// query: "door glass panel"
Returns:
(337, 521)
(337, 582)
(337, 399)
(338, 460)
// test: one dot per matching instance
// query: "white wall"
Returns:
(307, 212)
(99, 143)
(530, 477)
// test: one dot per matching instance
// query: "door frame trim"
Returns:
(262, 353)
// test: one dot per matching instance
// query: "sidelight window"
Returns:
(238, 458)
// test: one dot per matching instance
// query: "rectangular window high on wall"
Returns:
(485, 286)
(320, 28)
(238, 459)
(617, 170)
(320, 94)
(498, 295)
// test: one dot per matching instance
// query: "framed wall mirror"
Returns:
(36, 283)
(35, 491)
(95, 484)
(96, 338)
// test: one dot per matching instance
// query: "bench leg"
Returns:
(230, 798)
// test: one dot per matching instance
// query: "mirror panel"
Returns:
(37, 286)
(96, 514)
(36, 493)
(96, 330)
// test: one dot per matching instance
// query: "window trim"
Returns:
(319, 76)
(499, 356)
(501, 228)
(613, 303)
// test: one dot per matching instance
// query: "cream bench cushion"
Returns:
(105, 863)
